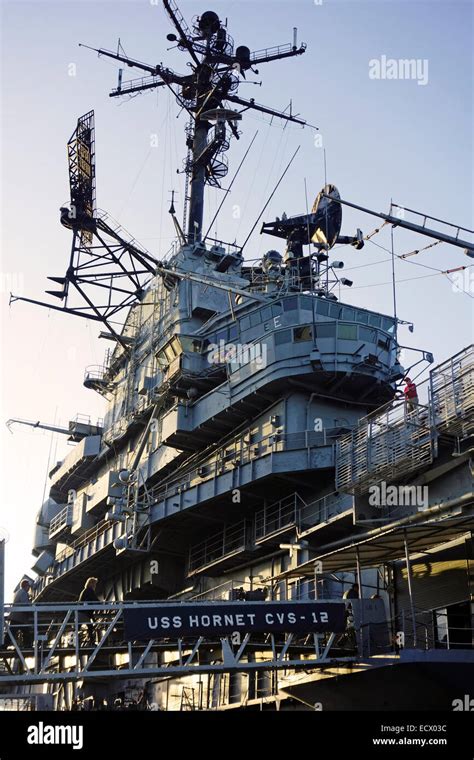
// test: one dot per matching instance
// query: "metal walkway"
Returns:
(52, 646)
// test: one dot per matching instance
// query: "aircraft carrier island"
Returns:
(274, 512)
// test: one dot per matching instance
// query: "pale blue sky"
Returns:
(384, 139)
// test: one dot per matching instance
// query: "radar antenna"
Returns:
(108, 269)
(206, 93)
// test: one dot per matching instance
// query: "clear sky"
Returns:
(384, 138)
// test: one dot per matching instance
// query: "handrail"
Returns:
(305, 439)
(62, 520)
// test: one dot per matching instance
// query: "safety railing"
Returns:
(95, 640)
(270, 522)
(226, 590)
(25, 702)
(120, 427)
(420, 630)
(88, 537)
(452, 394)
(237, 452)
(229, 541)
(275, 50)
(278, 517)
(387, 444)
(62, 521)
(321, 510)
(95, 373)
(240, 451)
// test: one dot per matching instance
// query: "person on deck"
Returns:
(20, 622)
(352, 593)
(411, 395)
(88, 595)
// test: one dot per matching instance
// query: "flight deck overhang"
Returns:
(388, 544)
(75, 469)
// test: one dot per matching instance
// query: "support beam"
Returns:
(410, 587)
(421, 229)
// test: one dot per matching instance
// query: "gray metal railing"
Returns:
(35, 650)
(386, 444)
(452, 394)
(238, 451)
(321, 510)
(62, 521)
(230, 540)
(277, 517)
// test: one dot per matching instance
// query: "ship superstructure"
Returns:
(249, 413)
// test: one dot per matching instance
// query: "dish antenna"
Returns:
(321, 227)
(327, 217)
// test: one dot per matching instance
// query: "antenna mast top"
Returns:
(206, 93)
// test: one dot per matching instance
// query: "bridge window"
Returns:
(388, 324)
(306, 302)
(233, 332)
(326, 330)
(266, 313)
(255, 319)
(374, 320)
(245, 323)
(323, 308)
(170, 353)
(383, 342)
(290, 304)
(302, 334)
(346, 332)
(283, 336)
(363, 317)
(190, 344)
(276, 309)
(365, 333)
(348, 313)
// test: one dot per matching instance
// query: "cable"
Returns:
(410, 279)
(394, 281)
(165, 153)
(416, 263)
(227, 191)
(257, 166)
(271, 196)
(48, 467)
(134, 183)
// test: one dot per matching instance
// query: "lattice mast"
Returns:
(206, 93)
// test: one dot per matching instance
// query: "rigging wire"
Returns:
(257, 167)
(165, 153)
(394, 282)
(281, 151)
(48, 467)
(410, 279)
(270, 198)
(135, 181)
(446, 272)
(227, 191)
(415, 263)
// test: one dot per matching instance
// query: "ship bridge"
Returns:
(299, 341)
